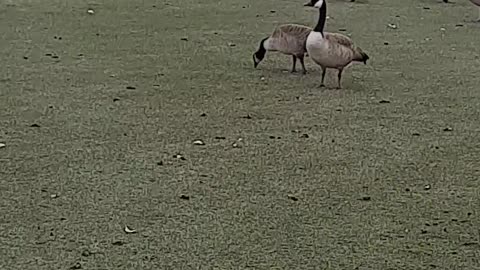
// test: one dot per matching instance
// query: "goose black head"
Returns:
(260, 53)
(256, 60)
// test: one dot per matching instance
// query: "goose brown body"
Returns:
(336, 51)
(288, 39)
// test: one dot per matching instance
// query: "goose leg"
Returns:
(294, 64)
(303, 64)
(324, 71)
(340, 78)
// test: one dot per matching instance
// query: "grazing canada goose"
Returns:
(331, 51)
(477, 3)
(288, 39)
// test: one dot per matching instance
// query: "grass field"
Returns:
(98, 114)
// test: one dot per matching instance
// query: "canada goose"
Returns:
(331, 51)
(288, 39)
(477, 3)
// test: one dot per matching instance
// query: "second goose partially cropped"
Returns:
(331, 51)
(477, 3)
(288, 39)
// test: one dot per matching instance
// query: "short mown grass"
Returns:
(383, 174)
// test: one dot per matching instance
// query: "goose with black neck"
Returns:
(335, 50)
(288, 39)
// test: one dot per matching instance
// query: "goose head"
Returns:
(315, 3)
(260, 53)
(257, 59)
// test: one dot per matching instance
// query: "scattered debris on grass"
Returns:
(392, 26)
(427, 187)
(220, 138)
(131, 87)
(415, 134)
(118, 243)
(384, 101)
(35, 125)
(198, 142)
(77, 265)
(366, 198)
(160, 163)
(178, 156)
(185, 197)
(305, 136)
(90, 11)
(203, 115)
(231, 44)
(238, 143)
(129, 230)
(448, 129)
(293, 198)
(247, 116)
(184, 38)
(2, 145)
(116, 99)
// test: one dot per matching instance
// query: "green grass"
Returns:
(99, 156)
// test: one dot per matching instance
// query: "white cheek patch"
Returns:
(266, 44)
(319, 4)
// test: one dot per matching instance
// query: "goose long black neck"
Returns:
(260, 53)
(321, 18)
